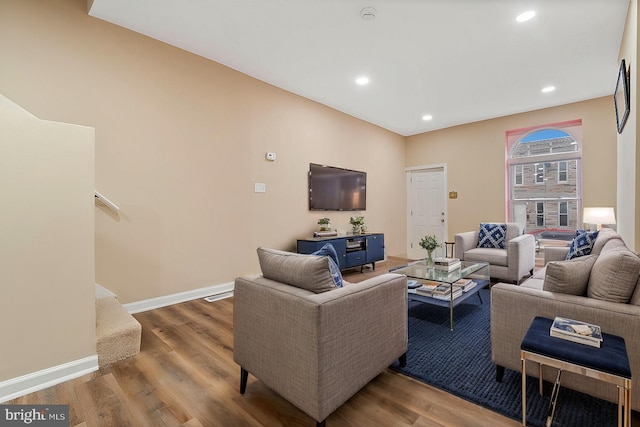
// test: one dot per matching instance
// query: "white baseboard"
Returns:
(16, 387)
(163, 301)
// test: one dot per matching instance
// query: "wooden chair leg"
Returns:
(244, 375)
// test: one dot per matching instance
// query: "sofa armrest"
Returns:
(323, 347)
(555, 253)
(521, 255)
(464, 242)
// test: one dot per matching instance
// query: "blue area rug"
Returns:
(459, 362)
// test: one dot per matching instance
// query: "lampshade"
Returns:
(599, 216)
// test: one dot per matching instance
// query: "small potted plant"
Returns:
(357, 224)
(429, 243)
(324, 224)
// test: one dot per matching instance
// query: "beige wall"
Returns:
(47, 310)
(628, 153)
(180, 141)
(475, 158)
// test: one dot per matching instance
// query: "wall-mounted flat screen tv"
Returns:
(336, 189)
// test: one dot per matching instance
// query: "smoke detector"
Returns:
(368, 13)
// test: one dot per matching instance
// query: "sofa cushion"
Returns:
(492, 256)
(310, 272)
(492, 235)
(614, 275)
(604, 236)
(569, 277)
(581, 244)
(329, 251)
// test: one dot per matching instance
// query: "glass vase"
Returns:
(429, 260)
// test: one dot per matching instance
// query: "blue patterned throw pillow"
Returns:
(582, 244)
(492, 236)
(329, 251)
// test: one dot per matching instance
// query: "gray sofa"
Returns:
(313, 343)
(601, 288)
(512, 263)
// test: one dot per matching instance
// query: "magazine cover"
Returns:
(576, 327)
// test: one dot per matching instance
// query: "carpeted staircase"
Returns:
(118, 334)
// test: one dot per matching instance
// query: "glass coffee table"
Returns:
(418, 270)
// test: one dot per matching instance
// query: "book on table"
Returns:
(465, 284)
(445, 261)
(427, 287)
(445, 292)
(447, 267)
(413, 284)
(576, 331)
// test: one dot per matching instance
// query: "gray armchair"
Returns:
(512, 263)
(316, 349)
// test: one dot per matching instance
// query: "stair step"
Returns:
(118, 333)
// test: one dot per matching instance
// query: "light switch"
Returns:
(260, 187)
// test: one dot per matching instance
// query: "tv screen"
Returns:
(336, 189)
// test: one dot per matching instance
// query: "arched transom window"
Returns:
(544, 177)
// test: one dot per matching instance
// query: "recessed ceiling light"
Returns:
(525, 16)
(363, 80)
(368, 13)
(548, 89)
(427, 117)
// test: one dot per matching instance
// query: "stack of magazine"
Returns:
(413, 284)
(443, 291)
(576, 331)
(465, 284)
(446, 264)
(427, 288)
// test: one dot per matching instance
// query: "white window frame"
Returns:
(561, 214)
(536, 174)
(566, 171)
(519, 173)
(540, 214)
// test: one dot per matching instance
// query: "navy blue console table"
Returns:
(354, 250)
(609, 363)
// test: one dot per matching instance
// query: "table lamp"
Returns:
(599, 216)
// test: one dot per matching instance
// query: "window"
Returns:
(563, 214)
(518, 172)
(544, 177)
(539, 173)
(562, 171)
(540, 214)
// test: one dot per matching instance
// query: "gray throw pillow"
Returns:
(310, 272)
(614, 275)
(569, 277)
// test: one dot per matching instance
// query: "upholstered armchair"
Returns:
(313, 343)
(510, 253)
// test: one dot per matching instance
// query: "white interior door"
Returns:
(427, 209)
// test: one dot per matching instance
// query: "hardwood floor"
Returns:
(185, 376)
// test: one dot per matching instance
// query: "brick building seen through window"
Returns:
(544, 182)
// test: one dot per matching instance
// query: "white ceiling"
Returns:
(458, 60)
